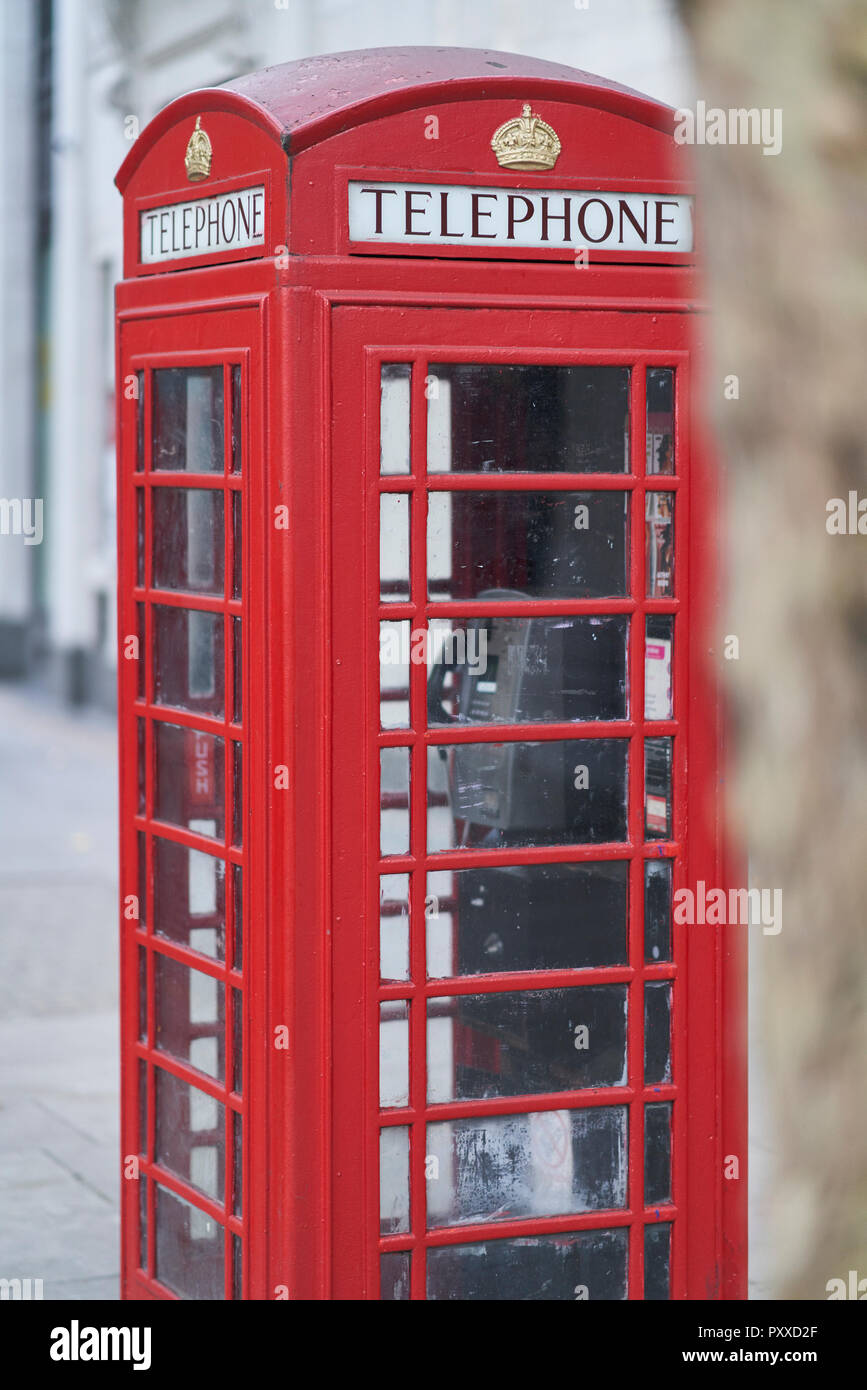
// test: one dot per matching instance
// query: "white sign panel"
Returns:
(459, 215)
(657, 678)
(227, 221)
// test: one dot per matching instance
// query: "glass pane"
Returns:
(394, 1179)
(535, 544)
(660, 420)
(394, 1276)
(657, 1032)
(394, 417)
(141, 842)
(237, 672)
(142, 994)
(527, 1042)
(190, 785)
(527, 670)
(237, 547)
(139, 422)
(188, 539)
(394, 547)
(237, 794)
(394, 659)
(657, 1261)
(393, 1053)
(560, 1268)
(237, 422)
(509, 1166)
(191, 1134)
(394, 927)
(189, 1249)
(526, 917)
(188, 659)
(140, 658)
(238, 1041)
(143, 1222)
(526, 419)
(188, 419)
(394, 800)
(657, 1153)
(657, 909)
(658, 698)
(190, 897)
(140, 537)
(659, 528)
(237, 1163)
(657, 788)
(237, 1268)
(141, 745)
(189, 1015)
(562, 791)
(238, 899)
(142, 1107)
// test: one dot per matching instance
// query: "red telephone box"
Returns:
(417, 541)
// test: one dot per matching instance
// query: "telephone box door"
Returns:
(526, 1059)
(189, 463)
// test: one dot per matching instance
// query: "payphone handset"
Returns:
(528, 670)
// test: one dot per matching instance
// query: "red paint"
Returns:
(308, 320)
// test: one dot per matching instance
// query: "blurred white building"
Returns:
(78, 80)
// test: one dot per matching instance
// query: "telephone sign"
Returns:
(439, 214)
(417, 526)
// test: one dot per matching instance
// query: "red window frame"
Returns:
(363, 340)
(232, 340)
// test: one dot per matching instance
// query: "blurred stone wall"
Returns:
(787, 280)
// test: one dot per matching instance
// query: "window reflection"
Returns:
(658, 696)
(659, 527)
(394, 547)
(536, 544)
(559, 791)
(188, 539)
(190, 1134)
(188, 659)
(190, 782)
(394, 436)
(526, 1042)
(660, 420)
(526, 917)
(500, 1167)
(190, 1010)
(539, 1268)
(487, 418)
(188, 419)
(506, 670)
(657, 788)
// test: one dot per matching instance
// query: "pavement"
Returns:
(59, 1144)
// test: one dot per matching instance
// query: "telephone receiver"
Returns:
(436, 711)
(534, 670)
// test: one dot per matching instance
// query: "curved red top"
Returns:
(308, 100)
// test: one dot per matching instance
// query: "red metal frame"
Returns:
(640, 342)
(310, 330)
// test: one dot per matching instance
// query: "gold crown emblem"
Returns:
(526, 142)
(198, 156)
